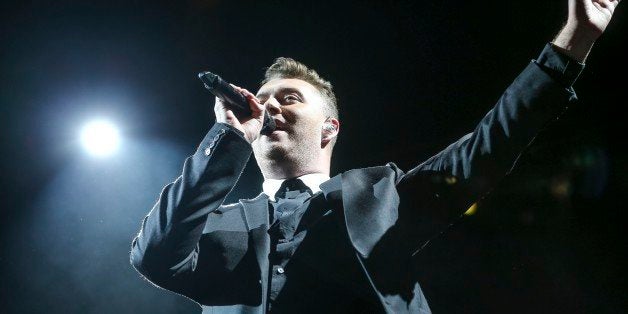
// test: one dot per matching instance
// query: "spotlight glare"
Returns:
(100, 138)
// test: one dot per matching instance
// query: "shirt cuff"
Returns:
(559, 66)
(240, 133)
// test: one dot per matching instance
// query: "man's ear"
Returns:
(329, 131)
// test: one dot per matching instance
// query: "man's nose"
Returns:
(272, 106)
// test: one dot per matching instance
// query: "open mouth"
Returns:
(280, 126)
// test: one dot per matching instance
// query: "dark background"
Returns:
(411, 77)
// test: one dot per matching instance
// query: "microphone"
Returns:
(238, 103)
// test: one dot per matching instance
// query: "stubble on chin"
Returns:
(270, 151)
(277, 153)
(292, 154)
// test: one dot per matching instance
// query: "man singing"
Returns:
(314, 244)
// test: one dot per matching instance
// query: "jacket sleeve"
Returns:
(456, 177)
(166, 249)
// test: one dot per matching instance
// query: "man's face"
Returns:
(297, 108)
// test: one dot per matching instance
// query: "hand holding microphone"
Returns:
(238, 107)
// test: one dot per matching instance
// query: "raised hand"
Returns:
(587, 20)
(250, 126)
(592, 14)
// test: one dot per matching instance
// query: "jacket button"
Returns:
(208, 151)
(280, 270)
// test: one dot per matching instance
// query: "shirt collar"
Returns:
(312, 180)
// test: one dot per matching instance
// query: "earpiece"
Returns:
(329, 130)
(329, 127)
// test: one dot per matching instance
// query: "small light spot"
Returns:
(451, 180)
(472, 210)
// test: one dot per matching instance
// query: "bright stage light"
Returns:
(100, 138)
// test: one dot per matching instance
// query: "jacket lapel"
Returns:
(370, 202)
(332, 190)
(256, 219)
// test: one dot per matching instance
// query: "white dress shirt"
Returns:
(312, 181)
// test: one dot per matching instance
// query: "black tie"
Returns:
(292, 194)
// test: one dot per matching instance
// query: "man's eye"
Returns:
(292, 98)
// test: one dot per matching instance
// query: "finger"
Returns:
(254, 103)
(609, 4)
(247, 94)
(238, 88)
(250, 97)
(614, 3)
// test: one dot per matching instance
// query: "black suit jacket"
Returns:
(217, 255)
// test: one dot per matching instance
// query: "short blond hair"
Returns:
(288, 68)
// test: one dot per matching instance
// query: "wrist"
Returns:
(575, 41)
